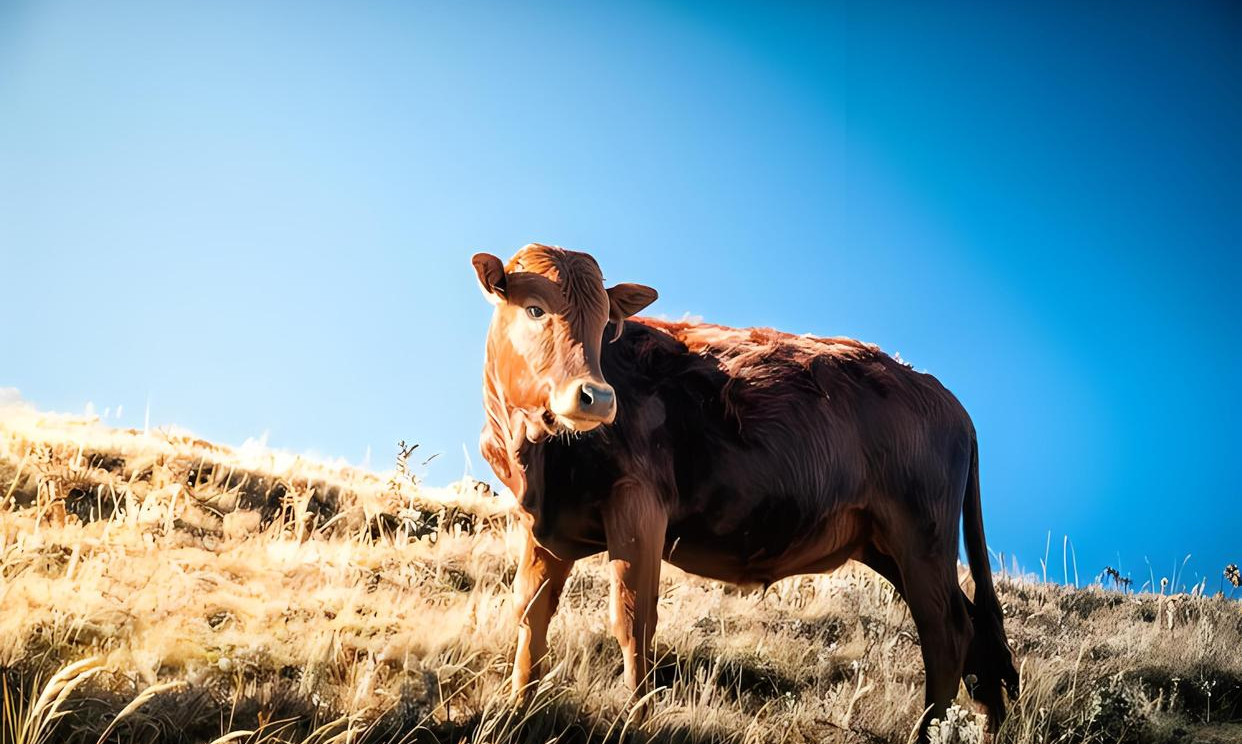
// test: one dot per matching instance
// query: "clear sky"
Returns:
(258, 216)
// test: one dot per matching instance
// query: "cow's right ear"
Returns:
(491, 277)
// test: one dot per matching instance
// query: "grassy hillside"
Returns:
(161, 588)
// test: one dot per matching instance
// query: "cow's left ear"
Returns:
(625, 300)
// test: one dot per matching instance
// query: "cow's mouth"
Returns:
(578, 426)
(559, 425)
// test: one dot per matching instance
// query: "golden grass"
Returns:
(155, 587)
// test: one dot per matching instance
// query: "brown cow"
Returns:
(744, 455)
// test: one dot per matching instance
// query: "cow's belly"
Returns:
(764, 551)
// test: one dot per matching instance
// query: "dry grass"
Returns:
(160, 588)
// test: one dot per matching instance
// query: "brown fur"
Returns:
(745, 455)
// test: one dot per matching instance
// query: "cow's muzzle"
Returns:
(585, 404)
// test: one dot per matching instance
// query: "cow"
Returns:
(741, 455)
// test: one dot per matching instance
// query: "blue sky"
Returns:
(258, 217)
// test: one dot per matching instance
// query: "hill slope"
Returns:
(219, 591)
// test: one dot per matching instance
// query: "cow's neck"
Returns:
(511, 430)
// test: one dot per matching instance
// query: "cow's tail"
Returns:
(989, 658)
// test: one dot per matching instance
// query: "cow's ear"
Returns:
(491, 276)
(625, 300)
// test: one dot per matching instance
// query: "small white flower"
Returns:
(958, 727)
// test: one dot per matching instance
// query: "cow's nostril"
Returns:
(591, 401)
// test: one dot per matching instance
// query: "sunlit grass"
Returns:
(154, 587)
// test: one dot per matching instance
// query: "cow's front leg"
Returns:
(536, 590)
(635, 524)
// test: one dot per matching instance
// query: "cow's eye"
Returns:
(535, 312)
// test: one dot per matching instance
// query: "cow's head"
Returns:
(544, 342)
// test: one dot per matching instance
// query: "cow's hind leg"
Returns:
(536, 592)
(885, 566)
(988, 659)
(943, 622)
(990, 663)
